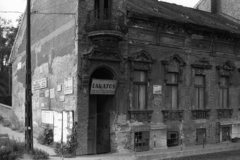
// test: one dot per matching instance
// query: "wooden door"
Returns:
(103, 133)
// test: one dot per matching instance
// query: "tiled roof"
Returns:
(172, 12)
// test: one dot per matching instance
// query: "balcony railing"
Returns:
(140, 115)
(201, 114)
(224, 113)
(172, 115)
(107, 19)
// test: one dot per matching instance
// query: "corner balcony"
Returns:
(107, 22)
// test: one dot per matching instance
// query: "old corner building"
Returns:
(134, 74)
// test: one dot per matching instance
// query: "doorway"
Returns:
(225, 133)
(100, 106)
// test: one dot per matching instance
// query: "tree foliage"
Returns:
(7, 37)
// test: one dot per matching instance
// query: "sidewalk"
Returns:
(157, 154)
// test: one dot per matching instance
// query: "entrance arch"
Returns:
(100, 106)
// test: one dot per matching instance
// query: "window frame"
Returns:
(176, 143)
(171, 85)
(197, 88)
(139, 83)
(221, 93)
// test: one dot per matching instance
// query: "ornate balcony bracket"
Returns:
(224, 113)
(201, 114)
(140, 115)
(172, 115)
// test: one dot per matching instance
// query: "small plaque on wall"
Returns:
(157, 89)
(59, 88)
(68, 85)
(62, 98)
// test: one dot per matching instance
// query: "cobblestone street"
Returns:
(226, 155)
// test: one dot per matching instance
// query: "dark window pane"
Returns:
(224, 81)
(139, 76)
(201, 98)
(142, 97)
(172, 78)
(199, 80)
(225, 98)
(174, 97)
(135, 97)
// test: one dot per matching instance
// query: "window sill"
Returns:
(201, 114)
(172, 115)
(140, 115)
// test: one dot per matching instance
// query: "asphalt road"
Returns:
(227, 155)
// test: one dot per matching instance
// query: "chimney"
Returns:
(214, 8)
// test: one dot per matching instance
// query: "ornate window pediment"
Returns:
(141, 56)
(202, 64)
(173, 64)
(141, 61)
(226, 69)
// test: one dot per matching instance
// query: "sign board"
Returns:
(100, 86)
(39, 84)
(19, 65)
(52, 93)
(57, 130)
(68, 85)
(157, 89)
(47, 117)
(64, 119)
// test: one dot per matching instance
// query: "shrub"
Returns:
(40, 154)
(46, 138)
(69, 148)
(6, 123)
(11, 149)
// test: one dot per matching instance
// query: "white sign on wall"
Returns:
(100, 86)
(157, 89)
(52, 93)
(19, 65)
(47, 117)
(64, 119)
(40, 83)
(68, 85)
(57, 130)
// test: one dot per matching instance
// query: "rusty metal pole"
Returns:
(28, 91)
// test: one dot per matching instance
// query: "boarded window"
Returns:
(141, 141)
(224, 92)
(172, 90)
(139, 90)
(199, 91)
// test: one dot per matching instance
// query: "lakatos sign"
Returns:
(106, 87)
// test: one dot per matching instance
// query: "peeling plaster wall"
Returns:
(54, 56)
(146, 40)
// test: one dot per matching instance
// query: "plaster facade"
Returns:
(64, 46)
